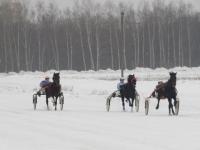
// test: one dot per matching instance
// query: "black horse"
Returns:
(128, 91)
(53, 90)
(167, 90)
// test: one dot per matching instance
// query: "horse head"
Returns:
(56, 78)
(172, 79)
(131, 79)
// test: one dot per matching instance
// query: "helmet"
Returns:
(121, 79)
(46, 77)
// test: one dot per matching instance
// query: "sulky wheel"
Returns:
(34, 101)
(108, 103)
(61, 100)
(137, 103)
(146, 107)
(177, 107)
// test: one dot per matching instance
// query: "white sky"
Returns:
(65, 3)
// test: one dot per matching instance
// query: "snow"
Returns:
(84, 123)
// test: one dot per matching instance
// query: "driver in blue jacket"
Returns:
(43, 84)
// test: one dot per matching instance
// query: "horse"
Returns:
(53, 90)
(128, 91)
(166, 90)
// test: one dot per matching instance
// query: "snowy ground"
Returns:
(84, 123)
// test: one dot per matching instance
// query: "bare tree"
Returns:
(87, 36)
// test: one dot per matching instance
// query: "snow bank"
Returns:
(28, 81)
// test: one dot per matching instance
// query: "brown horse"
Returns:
(53, 90)
(166, 90)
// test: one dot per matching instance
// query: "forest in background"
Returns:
(88, 36)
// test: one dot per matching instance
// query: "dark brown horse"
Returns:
(53, 90)
(166, 90)
(128, 91)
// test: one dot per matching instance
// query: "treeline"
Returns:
(88, 35)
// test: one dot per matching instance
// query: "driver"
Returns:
(43, 84)
(119, 87)
(121, 82)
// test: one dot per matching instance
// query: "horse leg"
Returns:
(55, 102)
(133, 98)
(175, 101)
(170, 106)
(129, 102)
(158, 104)
(123, 104)
(47, 102)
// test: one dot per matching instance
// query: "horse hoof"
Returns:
(157, 107)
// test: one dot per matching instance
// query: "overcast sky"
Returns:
(65, 3)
